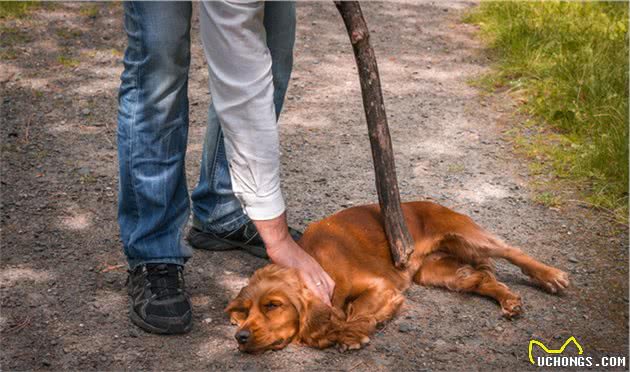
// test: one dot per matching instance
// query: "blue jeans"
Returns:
(153, 204)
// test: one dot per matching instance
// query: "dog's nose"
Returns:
(242, 336)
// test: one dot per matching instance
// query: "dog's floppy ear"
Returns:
(238, 308)
(316, 319)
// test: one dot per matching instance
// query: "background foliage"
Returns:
(568, 62)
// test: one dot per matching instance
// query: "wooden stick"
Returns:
(400, 241)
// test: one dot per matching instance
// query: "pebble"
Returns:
(405, 327)
(85, 112)
(207, 320)
(573, 259)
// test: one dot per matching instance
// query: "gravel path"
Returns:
(61, 272)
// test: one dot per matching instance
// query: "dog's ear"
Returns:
(316, 319)
(238, 308)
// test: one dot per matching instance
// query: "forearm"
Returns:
(273, 231)
(241, 84)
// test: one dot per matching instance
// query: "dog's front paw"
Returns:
(552, 279)
(352, 341)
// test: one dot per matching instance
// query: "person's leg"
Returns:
(152, 135)
(215, 208)
(152, 132)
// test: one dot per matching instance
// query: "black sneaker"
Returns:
(246, 238)
(158, 302)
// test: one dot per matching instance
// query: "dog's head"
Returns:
(276, 308)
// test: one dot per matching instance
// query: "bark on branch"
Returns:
(400, 241)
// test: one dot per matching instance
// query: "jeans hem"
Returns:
(222, 227)
(135, 262)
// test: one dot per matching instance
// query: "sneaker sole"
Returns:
(175, 329)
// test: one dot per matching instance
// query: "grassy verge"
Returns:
(15, 9)
(567, 63)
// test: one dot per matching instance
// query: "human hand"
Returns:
(290, 254)
(283, 250)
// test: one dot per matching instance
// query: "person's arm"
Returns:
(241, 84)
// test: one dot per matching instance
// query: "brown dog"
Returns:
(451, 251)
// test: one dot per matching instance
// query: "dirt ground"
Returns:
(61, 274)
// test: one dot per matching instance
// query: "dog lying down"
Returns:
(451, 251)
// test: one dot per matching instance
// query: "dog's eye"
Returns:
(271, 305)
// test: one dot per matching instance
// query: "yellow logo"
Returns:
(553, 351)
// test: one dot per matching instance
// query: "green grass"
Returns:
(67, 33)
(567, 63)
(90, 11)
(15, 9)
(68, 61)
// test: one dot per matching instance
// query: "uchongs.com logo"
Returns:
(563, 358)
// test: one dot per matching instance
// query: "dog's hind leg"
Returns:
(550, 278)
(443, 270)
(474, 244)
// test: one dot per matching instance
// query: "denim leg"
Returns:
(153, 204)
(215, 208)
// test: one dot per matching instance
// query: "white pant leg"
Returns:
(241, 84)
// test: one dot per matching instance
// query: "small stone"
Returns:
(573, 260)
(45, 363)
(85, 112)
(207, 320)
(199, 271)
(84, 171)
(405, 327)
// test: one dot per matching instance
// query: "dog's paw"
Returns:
(512, 307)
(352, 343)
(552, 279)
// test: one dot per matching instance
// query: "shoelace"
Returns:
(164, 280)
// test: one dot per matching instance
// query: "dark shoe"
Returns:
(246, 238)
(158, 302)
